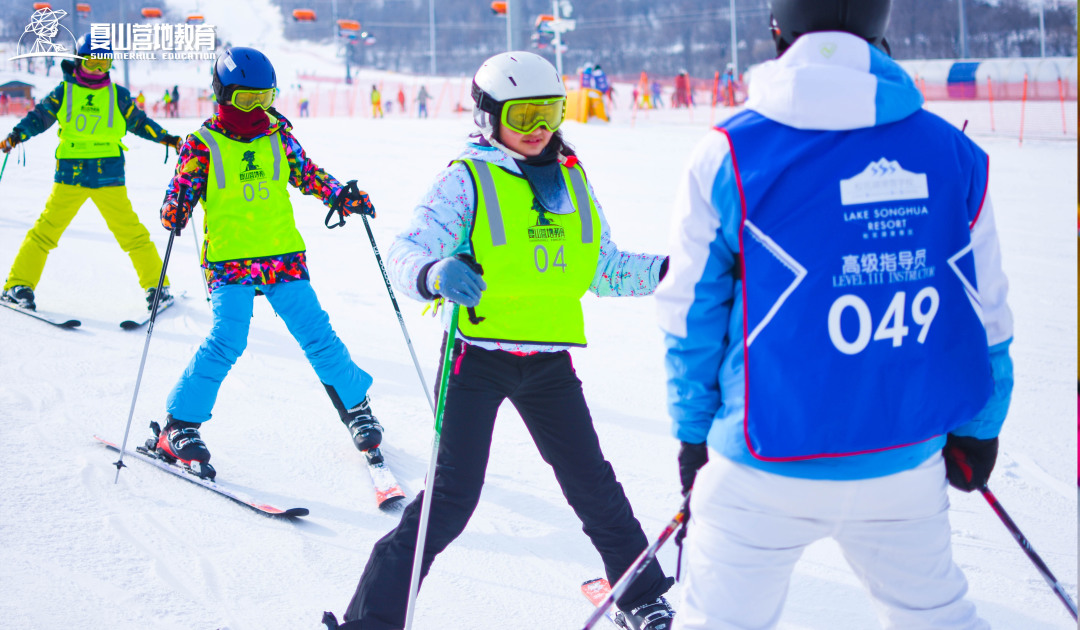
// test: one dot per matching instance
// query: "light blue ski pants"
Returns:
(193, 397)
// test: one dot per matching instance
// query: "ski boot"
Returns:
(656, 615)
(166, 297)
(180, 442)
(21, 296)
(365, 429)
(331, 623)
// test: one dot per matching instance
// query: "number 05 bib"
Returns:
(248, 212)
(862, 325)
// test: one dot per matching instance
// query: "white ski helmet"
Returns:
(509, 76)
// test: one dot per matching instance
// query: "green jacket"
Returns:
(88, 173)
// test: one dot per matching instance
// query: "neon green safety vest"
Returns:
(537, 265)
(248, 212)
(91, 123)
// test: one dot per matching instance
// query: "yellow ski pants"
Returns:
(63, 203)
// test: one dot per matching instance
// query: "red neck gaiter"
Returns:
(244, 124)
(90, 81)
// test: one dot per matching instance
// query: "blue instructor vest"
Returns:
(862, 325)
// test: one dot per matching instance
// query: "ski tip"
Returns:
(295, 512)
(129, 325)
(71, 323)
(106, 442)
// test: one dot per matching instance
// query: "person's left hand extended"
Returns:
(8, 143)
(352, 200)
(170, 140)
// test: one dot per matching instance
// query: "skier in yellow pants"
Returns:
(60, 208)
(94, 115)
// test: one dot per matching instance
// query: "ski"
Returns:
(388, 494)
(597, 590)
(143, 317)
(150, 457)
(57, 321)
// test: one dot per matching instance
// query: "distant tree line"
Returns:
(626, 36)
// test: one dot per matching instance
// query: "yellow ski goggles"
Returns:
(247, 100)
(529, 114)
(97, 64)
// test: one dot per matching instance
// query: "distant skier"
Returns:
(376, 102)
(175, 101)
(422, 97)
(527, 309)
(89, 165)
(304, 103)
(586, 76)
(833, 370)
(600, 79)
(401, 100)
(239, 166)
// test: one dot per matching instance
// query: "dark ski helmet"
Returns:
(242, 68)
(83, 47)
(865, 18)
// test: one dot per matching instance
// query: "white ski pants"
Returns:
(749, 527)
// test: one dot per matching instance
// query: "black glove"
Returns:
(9, 142)
(172, 141)
(350, 200)
(691, 458)
(969, 461)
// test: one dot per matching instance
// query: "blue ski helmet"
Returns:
(83, 47)
(242, 67)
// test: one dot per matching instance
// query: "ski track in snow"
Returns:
(151, 551)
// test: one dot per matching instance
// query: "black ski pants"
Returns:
(547, 393)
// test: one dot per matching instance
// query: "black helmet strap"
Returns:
(484, 102)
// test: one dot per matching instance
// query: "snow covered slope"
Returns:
(79, 551)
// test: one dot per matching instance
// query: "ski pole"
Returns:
(181, 194)
(429, 485)
(6, 156)
(1044, 571)
(397, 309)
(640, 564)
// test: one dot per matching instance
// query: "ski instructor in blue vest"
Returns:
(837, 331)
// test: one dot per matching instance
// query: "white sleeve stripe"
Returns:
(993, 285)
(695, 225)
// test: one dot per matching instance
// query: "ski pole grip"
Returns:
(350, 189)
(183, 207)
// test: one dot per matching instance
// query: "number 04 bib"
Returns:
(862, 326)
(537, 265)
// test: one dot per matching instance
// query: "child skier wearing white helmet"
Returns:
(513, 232)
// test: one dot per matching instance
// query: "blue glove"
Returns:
(455, 280)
